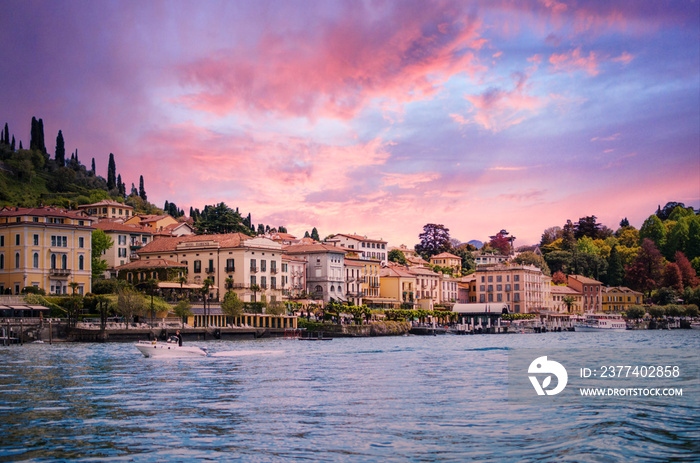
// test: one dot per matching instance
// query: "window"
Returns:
(2, 241)
(53, 261)
(64, 261)
(197, 266)
(81, 262)
(17, 259)
(2, 261)
(253, 280)
(263, 282)
(211, 266)
(17, 240)
(36, 240)
(36, 260)
(263, 265)
(230, 265)
(253, 267)
(81, 242)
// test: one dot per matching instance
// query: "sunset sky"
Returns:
(371, 117)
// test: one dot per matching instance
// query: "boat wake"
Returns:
(243, 353)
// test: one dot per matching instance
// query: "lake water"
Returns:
(443, 398)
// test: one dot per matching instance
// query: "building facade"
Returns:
(446, 259)
(47, 248)
(591, 290)
(252, 266)
(397, 288)
(619, 298)
(325, 270)
(562, 294)
(126, 239)
(367, 248)
(523, 287)
(108, 209)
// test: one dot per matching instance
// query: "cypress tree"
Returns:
(142, 190)
(60, 150)
(111, 173)
(93, 166)
(7, 134)
(166, 208)
(12, 145)
(121, 186)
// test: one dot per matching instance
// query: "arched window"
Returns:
(332, 288)
(64, 261)
(53, 261)
(319, 289)
(17, 259)
(81, 262)
(36, 260)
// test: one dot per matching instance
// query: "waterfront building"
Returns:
(560, 293)
(591, 290)
(449, 290)
(367, 248)
(139, 272)
(523, 287)
(354, 276)
(156, 223)
(293, 277)
(108, 209)
(481, 258)
(325, 270)
(446, 259)
(427, 292)
(397, 288)
(619, 298)
(126, 239)
(179, 229)
(252, 264)
(45, 247)
(467, 289)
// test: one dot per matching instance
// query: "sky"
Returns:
(371, 117)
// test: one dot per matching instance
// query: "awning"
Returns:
(172, 285)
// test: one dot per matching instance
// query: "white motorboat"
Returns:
(601, 322)
(169, 349)
(695, 326)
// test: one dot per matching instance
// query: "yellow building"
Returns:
(445, 259)
(559, 295)
(47, 248)
(619, 298)
(107, 209)
(397, 287)
(156, 223)
(251, 266)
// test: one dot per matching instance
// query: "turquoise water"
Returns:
(410, 398)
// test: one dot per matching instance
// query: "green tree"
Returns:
(100, 243)
(396, 255)
(530, 258)
(434, 240)
(142, 190)
(653, 229)
(616, 269)
(314, 235)
(219, 219)
(129, 304)
(60, 150)
(587, 226)
(183, 309)
(635, 312)
(111, 173)
(36, 142)
(232, 305)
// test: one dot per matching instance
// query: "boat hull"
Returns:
(584, 328)
(169, 350)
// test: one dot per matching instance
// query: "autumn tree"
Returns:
(688, 273)
(645, 272)
(434, 240)
(672, 277)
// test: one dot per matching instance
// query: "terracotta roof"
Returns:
(108, 225)
(585, 280)
(445, 255)
(395, 272)
(150, 263)
(43, 212)
(106, 202)
(423, 271)
(169, 243)
(358, 237)
(283, 236)
(312, 248)
(152, 218)
(559, 289)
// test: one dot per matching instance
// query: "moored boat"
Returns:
(169, 349)
(601, 322)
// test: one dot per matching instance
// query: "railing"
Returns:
(59, 272)
(230, 269)
(210, 270)
(253, 269)
(273, 270)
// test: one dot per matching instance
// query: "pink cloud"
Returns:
(337, 69)
(498, 109)
(573, 61)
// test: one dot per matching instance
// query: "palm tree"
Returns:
(182, 280)
(256, 290)
(229, 283)
(152, 284)
(568, 302)
(73, 285)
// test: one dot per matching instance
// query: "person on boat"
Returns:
(179, 338)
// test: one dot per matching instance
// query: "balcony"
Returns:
(273, 270)
(253, 269)
(59, 272)
(230, 269)
(211, 270)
